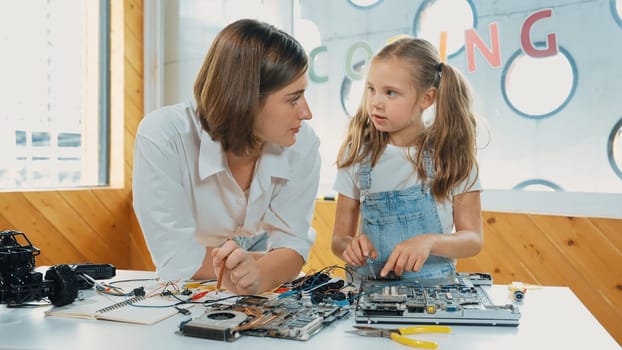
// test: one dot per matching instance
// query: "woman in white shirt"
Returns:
(231, 177)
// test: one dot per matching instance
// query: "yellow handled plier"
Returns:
(398, 334)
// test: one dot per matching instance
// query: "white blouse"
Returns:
(185, 197)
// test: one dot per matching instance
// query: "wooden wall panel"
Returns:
(89, 240)
(611, 229)
(17, 213)
(140, 258)
(133, 21)
(321, 254)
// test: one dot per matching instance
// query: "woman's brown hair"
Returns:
(450, 140)
(246, 62)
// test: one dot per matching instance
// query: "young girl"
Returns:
(412, 183)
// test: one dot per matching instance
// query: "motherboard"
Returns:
(463, 301)
(287, 318)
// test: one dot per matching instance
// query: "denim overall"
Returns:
(391, 217)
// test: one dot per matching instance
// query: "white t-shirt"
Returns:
(394, 171)
(185, 197)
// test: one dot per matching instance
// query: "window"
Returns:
(54, 94)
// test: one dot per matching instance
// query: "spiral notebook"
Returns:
(139, 310)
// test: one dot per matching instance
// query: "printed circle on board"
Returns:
(450, 16)
(538, 88)
(614, 148)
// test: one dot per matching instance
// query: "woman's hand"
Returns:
(241, 271)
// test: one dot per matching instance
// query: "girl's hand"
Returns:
(409, 255)
(241, 272)
(358, 250)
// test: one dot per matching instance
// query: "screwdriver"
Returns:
(371, 269)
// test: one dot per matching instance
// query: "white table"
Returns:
(552, 318)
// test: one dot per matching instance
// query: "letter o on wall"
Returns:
(526, 79)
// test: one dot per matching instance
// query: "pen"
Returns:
(326, 198)
(221, 273)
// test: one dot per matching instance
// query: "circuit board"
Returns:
(463, 302)
(287, 318)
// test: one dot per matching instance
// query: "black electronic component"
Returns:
(480, 279)
(417, 308)
(20, 283)
(391, 276)
(96, 271)
(310, 282)
(324, 296)
(383, 310)
(139, 292)
(65, 284)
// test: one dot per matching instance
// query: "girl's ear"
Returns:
(428, 98)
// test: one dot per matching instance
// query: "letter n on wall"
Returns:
(493, 55)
